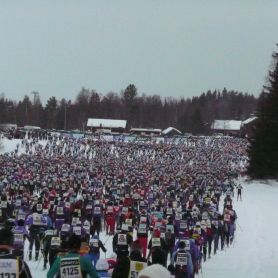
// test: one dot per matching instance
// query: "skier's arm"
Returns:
(54, 269)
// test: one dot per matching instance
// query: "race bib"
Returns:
(181, 259)
(21, 217)
(55, 241)
(60, 211)
(142, 229)
(109, 209)
(39, 207)
(89, 207)
(97, 210)
(94, 243)
(9, 268)
(183, 225)
(74, 221)
(4, 204)
(122, 239)
(170, 227)
(37, 219)
(77, 231)
(18, 238)
(135, 268)
(128, 222)
(124, 210)
(169, 211)
(143, 219)
(70, 268)
(155, 241)
(65, 228)
(49, 233)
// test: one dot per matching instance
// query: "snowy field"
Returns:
(254, 252)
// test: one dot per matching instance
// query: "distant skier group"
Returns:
(163, 204)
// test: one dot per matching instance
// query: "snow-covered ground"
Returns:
(254, 252)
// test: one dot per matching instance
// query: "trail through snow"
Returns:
(254, 252)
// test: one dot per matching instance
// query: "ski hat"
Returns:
(102, 264)
(154, 271)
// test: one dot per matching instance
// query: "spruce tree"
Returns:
(263, 150)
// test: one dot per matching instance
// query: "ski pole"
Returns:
(106, 240)
(239, 227)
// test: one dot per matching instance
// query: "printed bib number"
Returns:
(169, 211)
(65, 228)
(37, 219)
(70, 268)
(77, 231)
(155, 242)
(94, 243)
(60, 210)
(128, 222)
(9, 268)
(18, 238)
(181, 259)
(97, 210)
(142, 229)
(4, 204)
(183, 225)
(109, 209)
(122, 240)
(124, 210)
(136, 267)
(143, 219)
(49, 233)
(55, 241)
(170, 227)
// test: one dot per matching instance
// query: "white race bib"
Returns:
(9, 268)
(155, 242)
(77, 230)
(122, 239)
(55, 241)
(135, 268)
(70, 268)
(181, 259)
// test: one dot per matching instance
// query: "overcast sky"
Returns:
(172, 48)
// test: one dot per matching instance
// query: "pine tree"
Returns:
(263, 150)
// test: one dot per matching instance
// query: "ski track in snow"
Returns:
(254, 252)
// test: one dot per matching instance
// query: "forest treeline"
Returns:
(147, 111)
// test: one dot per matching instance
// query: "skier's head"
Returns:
(6, 237)
(74, 242)
(181, 245)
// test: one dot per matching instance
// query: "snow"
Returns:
(226, 125)
(249, 120)
(106, 123)
(169, 129)
(254, 252)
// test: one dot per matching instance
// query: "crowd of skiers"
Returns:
(160, 203)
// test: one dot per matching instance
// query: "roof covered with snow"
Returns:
(226, 125)
(106, 123)
(169, 129)
(249, 120)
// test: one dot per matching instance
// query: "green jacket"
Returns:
(86, 266)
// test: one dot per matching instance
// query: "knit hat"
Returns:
(154, 271)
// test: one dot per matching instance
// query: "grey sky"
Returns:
(171, 48)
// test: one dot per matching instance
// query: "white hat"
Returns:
(102, 264)
(154, 271)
